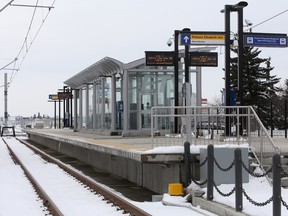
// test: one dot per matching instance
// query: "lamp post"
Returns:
(176, 71)
(228, 9)
(240, 54)
(176, 78)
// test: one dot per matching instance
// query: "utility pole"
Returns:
(5, 100)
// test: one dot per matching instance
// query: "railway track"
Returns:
(111, 199)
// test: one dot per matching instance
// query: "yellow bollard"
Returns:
(175, 189)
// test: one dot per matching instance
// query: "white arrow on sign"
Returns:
(186, 39)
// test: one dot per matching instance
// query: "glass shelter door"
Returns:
(147, 101)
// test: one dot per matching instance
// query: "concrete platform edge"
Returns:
(215, 207)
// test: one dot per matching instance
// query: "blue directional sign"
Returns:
(265, 40)
(185, 39)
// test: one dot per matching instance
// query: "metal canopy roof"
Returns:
(105, 67)
(108, 66)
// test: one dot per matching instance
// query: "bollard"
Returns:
(212, 134)
(210, 171)
(276, 185)
(238, 180)
(187, 163)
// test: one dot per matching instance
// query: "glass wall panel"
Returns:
(133, 96)
(98, 105)
(90, 108)
(148, 89)
(84, 123)
(119, 104)
(107, 101)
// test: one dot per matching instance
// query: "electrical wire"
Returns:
(24, 45)
(267, 20)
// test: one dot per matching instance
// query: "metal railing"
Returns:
(217, 125)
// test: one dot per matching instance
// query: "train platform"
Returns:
(126, 157)
(129, 157)
(130, 147)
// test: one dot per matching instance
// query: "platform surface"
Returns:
(135, 145)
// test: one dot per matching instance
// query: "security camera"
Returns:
(118, 76)
(169, 42)
(248, 22)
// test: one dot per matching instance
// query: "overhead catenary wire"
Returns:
(28, 46)
(250, 28)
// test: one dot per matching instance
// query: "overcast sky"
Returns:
(77, 34)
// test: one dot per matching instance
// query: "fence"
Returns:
(217, 125)
(275, 118)
(276, 169)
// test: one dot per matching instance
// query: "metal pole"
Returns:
(59, 110)
(276, 185)
(210, 171)
(71, 110)
(176, 79)
(238, 180)
(227, 68)
(76, 92)
(240, 55)
(67, 110)
(187, 163)
(5, 100)
(271, 119)
(187, 77)
(227, 55)
(64, 100)
(240, 65)
(55, 114)
(285, 117)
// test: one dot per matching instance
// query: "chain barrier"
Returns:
(200, 183)
(256, 175)
(221, 193)
(285, 174)
(284, 203)
(257, 203)
(275, 167)
(204, 162)
(224, 169)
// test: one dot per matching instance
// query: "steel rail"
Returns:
(112, 197)
(48, 202)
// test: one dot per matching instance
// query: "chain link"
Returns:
(256, 203)
(224, 169)
(285, 174)
(256, 175)
(203, 163)
(200, 183)
(284, 203)
(221, 193)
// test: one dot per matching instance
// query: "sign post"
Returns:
(54, 98)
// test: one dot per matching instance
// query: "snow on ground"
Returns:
(16, 192)
(258, 189)
(67, 192)
(17, 196)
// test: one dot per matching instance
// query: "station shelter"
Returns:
(115, 97)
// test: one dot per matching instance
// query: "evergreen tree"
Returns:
(279, 106)
(258, 83)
